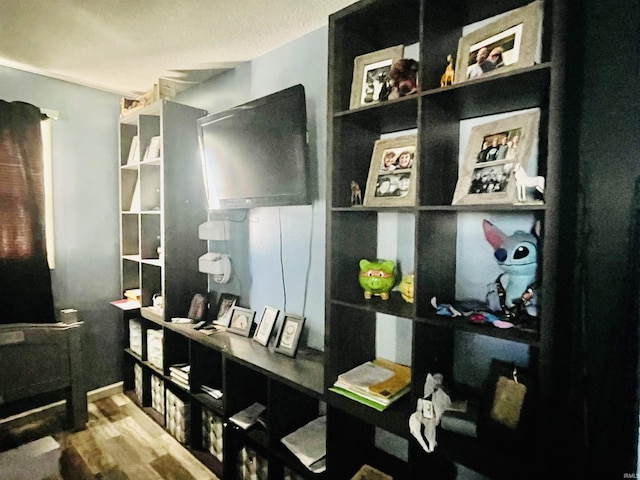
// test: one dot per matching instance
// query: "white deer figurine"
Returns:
(524, 181)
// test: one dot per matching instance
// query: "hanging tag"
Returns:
(507, 402)
(427, 409)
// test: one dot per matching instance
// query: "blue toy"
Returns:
(517, 256)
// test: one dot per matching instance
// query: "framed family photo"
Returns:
(265, 327)
(289, 335)
(492, 153)
(513, 40)
(371, 75)
(393, 173)
(225, 304)
(241, 321)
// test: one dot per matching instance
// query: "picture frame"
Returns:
(514, 39)
(393, 173)
(226, 302)
(241, 320)
(494, 148)
(198, 307)
(153, 150)
(134, 151)
(370, 72)
(289, 333)
(265, 327)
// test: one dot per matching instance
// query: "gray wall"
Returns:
(85, 182)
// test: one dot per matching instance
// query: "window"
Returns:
(47, 158)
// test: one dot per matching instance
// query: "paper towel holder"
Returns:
(216, 264)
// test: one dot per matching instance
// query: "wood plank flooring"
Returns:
(122, 443)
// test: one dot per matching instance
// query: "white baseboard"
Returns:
(56, 408)
(104, 392)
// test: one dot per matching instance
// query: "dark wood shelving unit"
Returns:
(292, 389)
(353, 232)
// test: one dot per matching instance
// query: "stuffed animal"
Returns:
(517, 256)
(404, 74)
(377, 278)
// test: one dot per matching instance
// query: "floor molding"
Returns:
(56, 408)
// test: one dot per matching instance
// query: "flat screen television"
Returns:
(256, 154)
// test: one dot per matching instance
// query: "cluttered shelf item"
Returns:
(377, 383)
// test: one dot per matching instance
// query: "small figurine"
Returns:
(406, 288)
(356, 194)
(404, 74)
(517, 256)
(377, 278)
(447, 76)
(524, 181)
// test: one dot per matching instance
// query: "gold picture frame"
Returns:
(393, 173)
(487, 173)
(511, 41)
(370, 71)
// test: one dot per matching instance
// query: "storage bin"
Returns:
(212, 432)
(137, 379)
(135, 336)
(154, 348)
(178, 414)
(252, 466)
(157, 394)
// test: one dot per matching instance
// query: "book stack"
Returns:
(377, 383)
(212, 392)
(179, 374)
(249, 416)
(308, 444)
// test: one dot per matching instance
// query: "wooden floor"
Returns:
(121, 442)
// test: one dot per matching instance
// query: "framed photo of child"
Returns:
(392, 173)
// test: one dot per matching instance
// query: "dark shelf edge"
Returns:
(454, 323)
(448, 208)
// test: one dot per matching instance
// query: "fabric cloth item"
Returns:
(423, 422)
(25, 279)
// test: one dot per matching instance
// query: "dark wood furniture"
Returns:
(246, 372)
(160, 210)
(432, 225)
(40, 359)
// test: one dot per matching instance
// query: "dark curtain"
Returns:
(25, 279)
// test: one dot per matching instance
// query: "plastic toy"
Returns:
(524, 181)
(447, 77)
(406, 288)
(377, 278)
(356, 194)
(517, 256)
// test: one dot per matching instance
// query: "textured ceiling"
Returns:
(125, 46)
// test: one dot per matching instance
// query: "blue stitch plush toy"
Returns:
(517, 256)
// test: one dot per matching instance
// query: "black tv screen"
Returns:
(255, 154)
